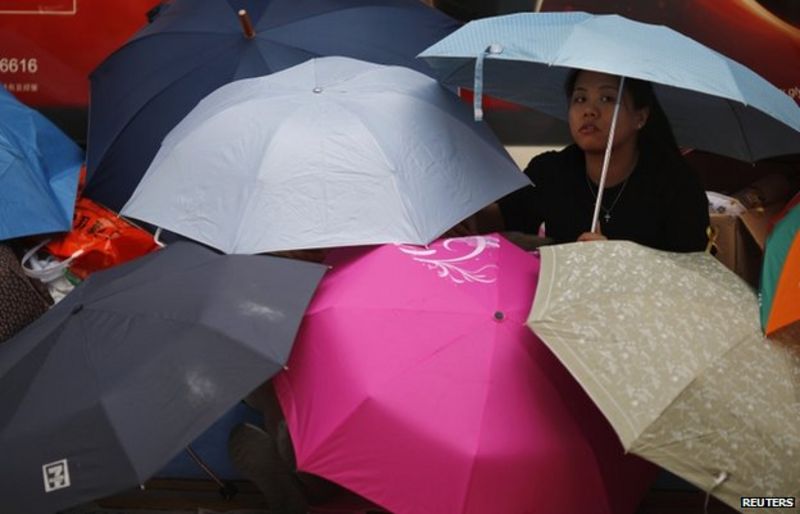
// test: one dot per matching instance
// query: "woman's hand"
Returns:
(592, 236)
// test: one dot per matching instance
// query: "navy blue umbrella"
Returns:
(192, 47)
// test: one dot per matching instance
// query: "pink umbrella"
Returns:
(415, 383)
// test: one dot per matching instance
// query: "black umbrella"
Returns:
(100, 392)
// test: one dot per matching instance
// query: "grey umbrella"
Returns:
(100, 392)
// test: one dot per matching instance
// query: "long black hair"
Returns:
(655, 137)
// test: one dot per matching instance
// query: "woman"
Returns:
(651, 196)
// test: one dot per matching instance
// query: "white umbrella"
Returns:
(669, 347)
(332, 152)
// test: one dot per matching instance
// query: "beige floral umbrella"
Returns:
(670, 348)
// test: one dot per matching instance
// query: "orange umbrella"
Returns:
(780, 276)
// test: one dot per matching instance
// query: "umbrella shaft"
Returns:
(204, 466)
(607, 157)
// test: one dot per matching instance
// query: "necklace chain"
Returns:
(607, 211)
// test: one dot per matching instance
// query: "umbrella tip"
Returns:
(247, 25)
(499, 316)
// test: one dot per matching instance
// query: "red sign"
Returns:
(49, 47)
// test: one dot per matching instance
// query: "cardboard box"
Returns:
(740, 240)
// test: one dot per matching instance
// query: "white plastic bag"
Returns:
(51, 271)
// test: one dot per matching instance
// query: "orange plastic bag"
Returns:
(99, 239)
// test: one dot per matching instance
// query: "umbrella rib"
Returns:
(240, 231)
(149, 278)
(136, 41)
(698, 469)
(20, 360)
(207, 117)
(447, 79)
(731, 105)
(45, 183)
(481, 426)
(98, 391)
(702, 468)
(264, 58)
(66, 216)
(120, 441)
(342, 105)
(161, 317)
(450, 114)
(400, 372)
(144, 105)
(327, 12)
(113, 425)
(12, 149)
(17, 158)
(172, 33)
(378, 308)
(409, 211)
(742, 340)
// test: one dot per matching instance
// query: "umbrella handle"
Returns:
(711, 234)
(477, 87)
(247, 24)
(226, 489)
(607, 157)
(723, 476)
(156, 239)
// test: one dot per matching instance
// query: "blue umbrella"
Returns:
(331, 152)
(193, 47)
(713, 103)
(39, 169)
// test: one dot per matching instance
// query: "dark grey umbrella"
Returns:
(101, 391)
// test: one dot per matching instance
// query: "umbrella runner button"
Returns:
(495, 48)
(499, 316)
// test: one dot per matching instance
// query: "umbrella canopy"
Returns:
(668, 345)
(134, 364)
(332, 152)
(780, 276)
(713, 103)
(415, 383)
(39, 168)
(193, 47)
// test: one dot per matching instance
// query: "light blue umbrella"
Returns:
(39, 168)
(713, 103)
(331, 152)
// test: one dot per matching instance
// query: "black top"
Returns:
(659, 206)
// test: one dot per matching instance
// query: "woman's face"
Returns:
(592, 107)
